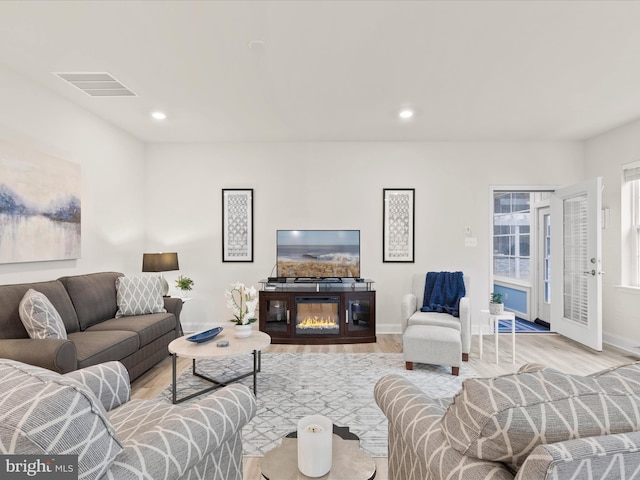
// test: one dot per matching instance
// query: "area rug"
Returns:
(337, 385)
(522, 326)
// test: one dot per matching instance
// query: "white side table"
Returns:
(184, 300)
(493, 323)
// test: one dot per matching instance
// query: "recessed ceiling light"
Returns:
(257, 46)
(159, 115)
(405, 114)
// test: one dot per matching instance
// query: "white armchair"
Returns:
(411, 314)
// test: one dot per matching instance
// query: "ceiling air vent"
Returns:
(97, 84)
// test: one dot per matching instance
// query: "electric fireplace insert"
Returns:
(318, 315)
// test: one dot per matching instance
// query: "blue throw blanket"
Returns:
(442, 292)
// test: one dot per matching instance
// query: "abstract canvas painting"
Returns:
(39, 206)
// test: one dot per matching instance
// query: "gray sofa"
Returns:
(88, 413)
(535, 424)
(87, 305)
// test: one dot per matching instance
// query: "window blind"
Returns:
(634, 231)
(575, 260)
(631, 173)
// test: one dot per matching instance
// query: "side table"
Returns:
(494, 324)
(184, 300)
(349, 462)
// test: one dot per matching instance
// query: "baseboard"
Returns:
(621, 343)
(388, 328)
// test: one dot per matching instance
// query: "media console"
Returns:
(272, 280)
(318, 312)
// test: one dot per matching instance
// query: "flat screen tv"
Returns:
(318, 253)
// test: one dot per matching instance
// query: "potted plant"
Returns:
(496, 307)
(184, 284)
(243, 302)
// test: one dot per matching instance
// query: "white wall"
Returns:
(338, 185)
(160, 197)
(139, 198)
(604, 157)
(113, 173)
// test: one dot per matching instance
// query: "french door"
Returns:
(543, 261)
(576, 262)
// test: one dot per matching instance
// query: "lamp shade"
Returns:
(159, 262)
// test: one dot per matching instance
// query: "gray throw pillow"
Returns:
(504, 418)
(139, 295)
(39, 317)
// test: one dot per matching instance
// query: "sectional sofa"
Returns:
(88, 305)
(538, 424)
(89, 413)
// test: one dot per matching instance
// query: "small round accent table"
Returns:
(493, 324)
(181, 347)
(349, 462)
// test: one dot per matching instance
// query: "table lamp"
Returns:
(160, 262)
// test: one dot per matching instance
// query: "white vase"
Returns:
(496, 308)
(242, 331)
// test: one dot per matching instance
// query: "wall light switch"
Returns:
(471, 242)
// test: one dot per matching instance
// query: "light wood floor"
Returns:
(549, 349)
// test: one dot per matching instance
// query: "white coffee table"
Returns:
(181, 347)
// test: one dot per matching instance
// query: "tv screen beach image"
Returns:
(318, 253)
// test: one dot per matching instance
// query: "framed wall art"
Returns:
(237, 224)
(398, 219)
(40, 211)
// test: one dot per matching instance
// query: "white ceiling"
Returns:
(339, 70)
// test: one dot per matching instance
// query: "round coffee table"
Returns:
(348, 461)
(181, 347)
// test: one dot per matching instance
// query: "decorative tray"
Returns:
(204, 336)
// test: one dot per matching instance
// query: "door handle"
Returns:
(590, 272)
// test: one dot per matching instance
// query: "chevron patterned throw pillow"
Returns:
(139, 295)
(39, 317)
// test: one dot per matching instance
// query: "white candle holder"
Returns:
(315, 445)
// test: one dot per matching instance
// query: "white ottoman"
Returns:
(432, 345)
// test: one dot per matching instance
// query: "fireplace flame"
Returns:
(318, 322)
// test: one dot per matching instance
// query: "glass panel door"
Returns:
(277, 315)
(576, 263)
(358, 314)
